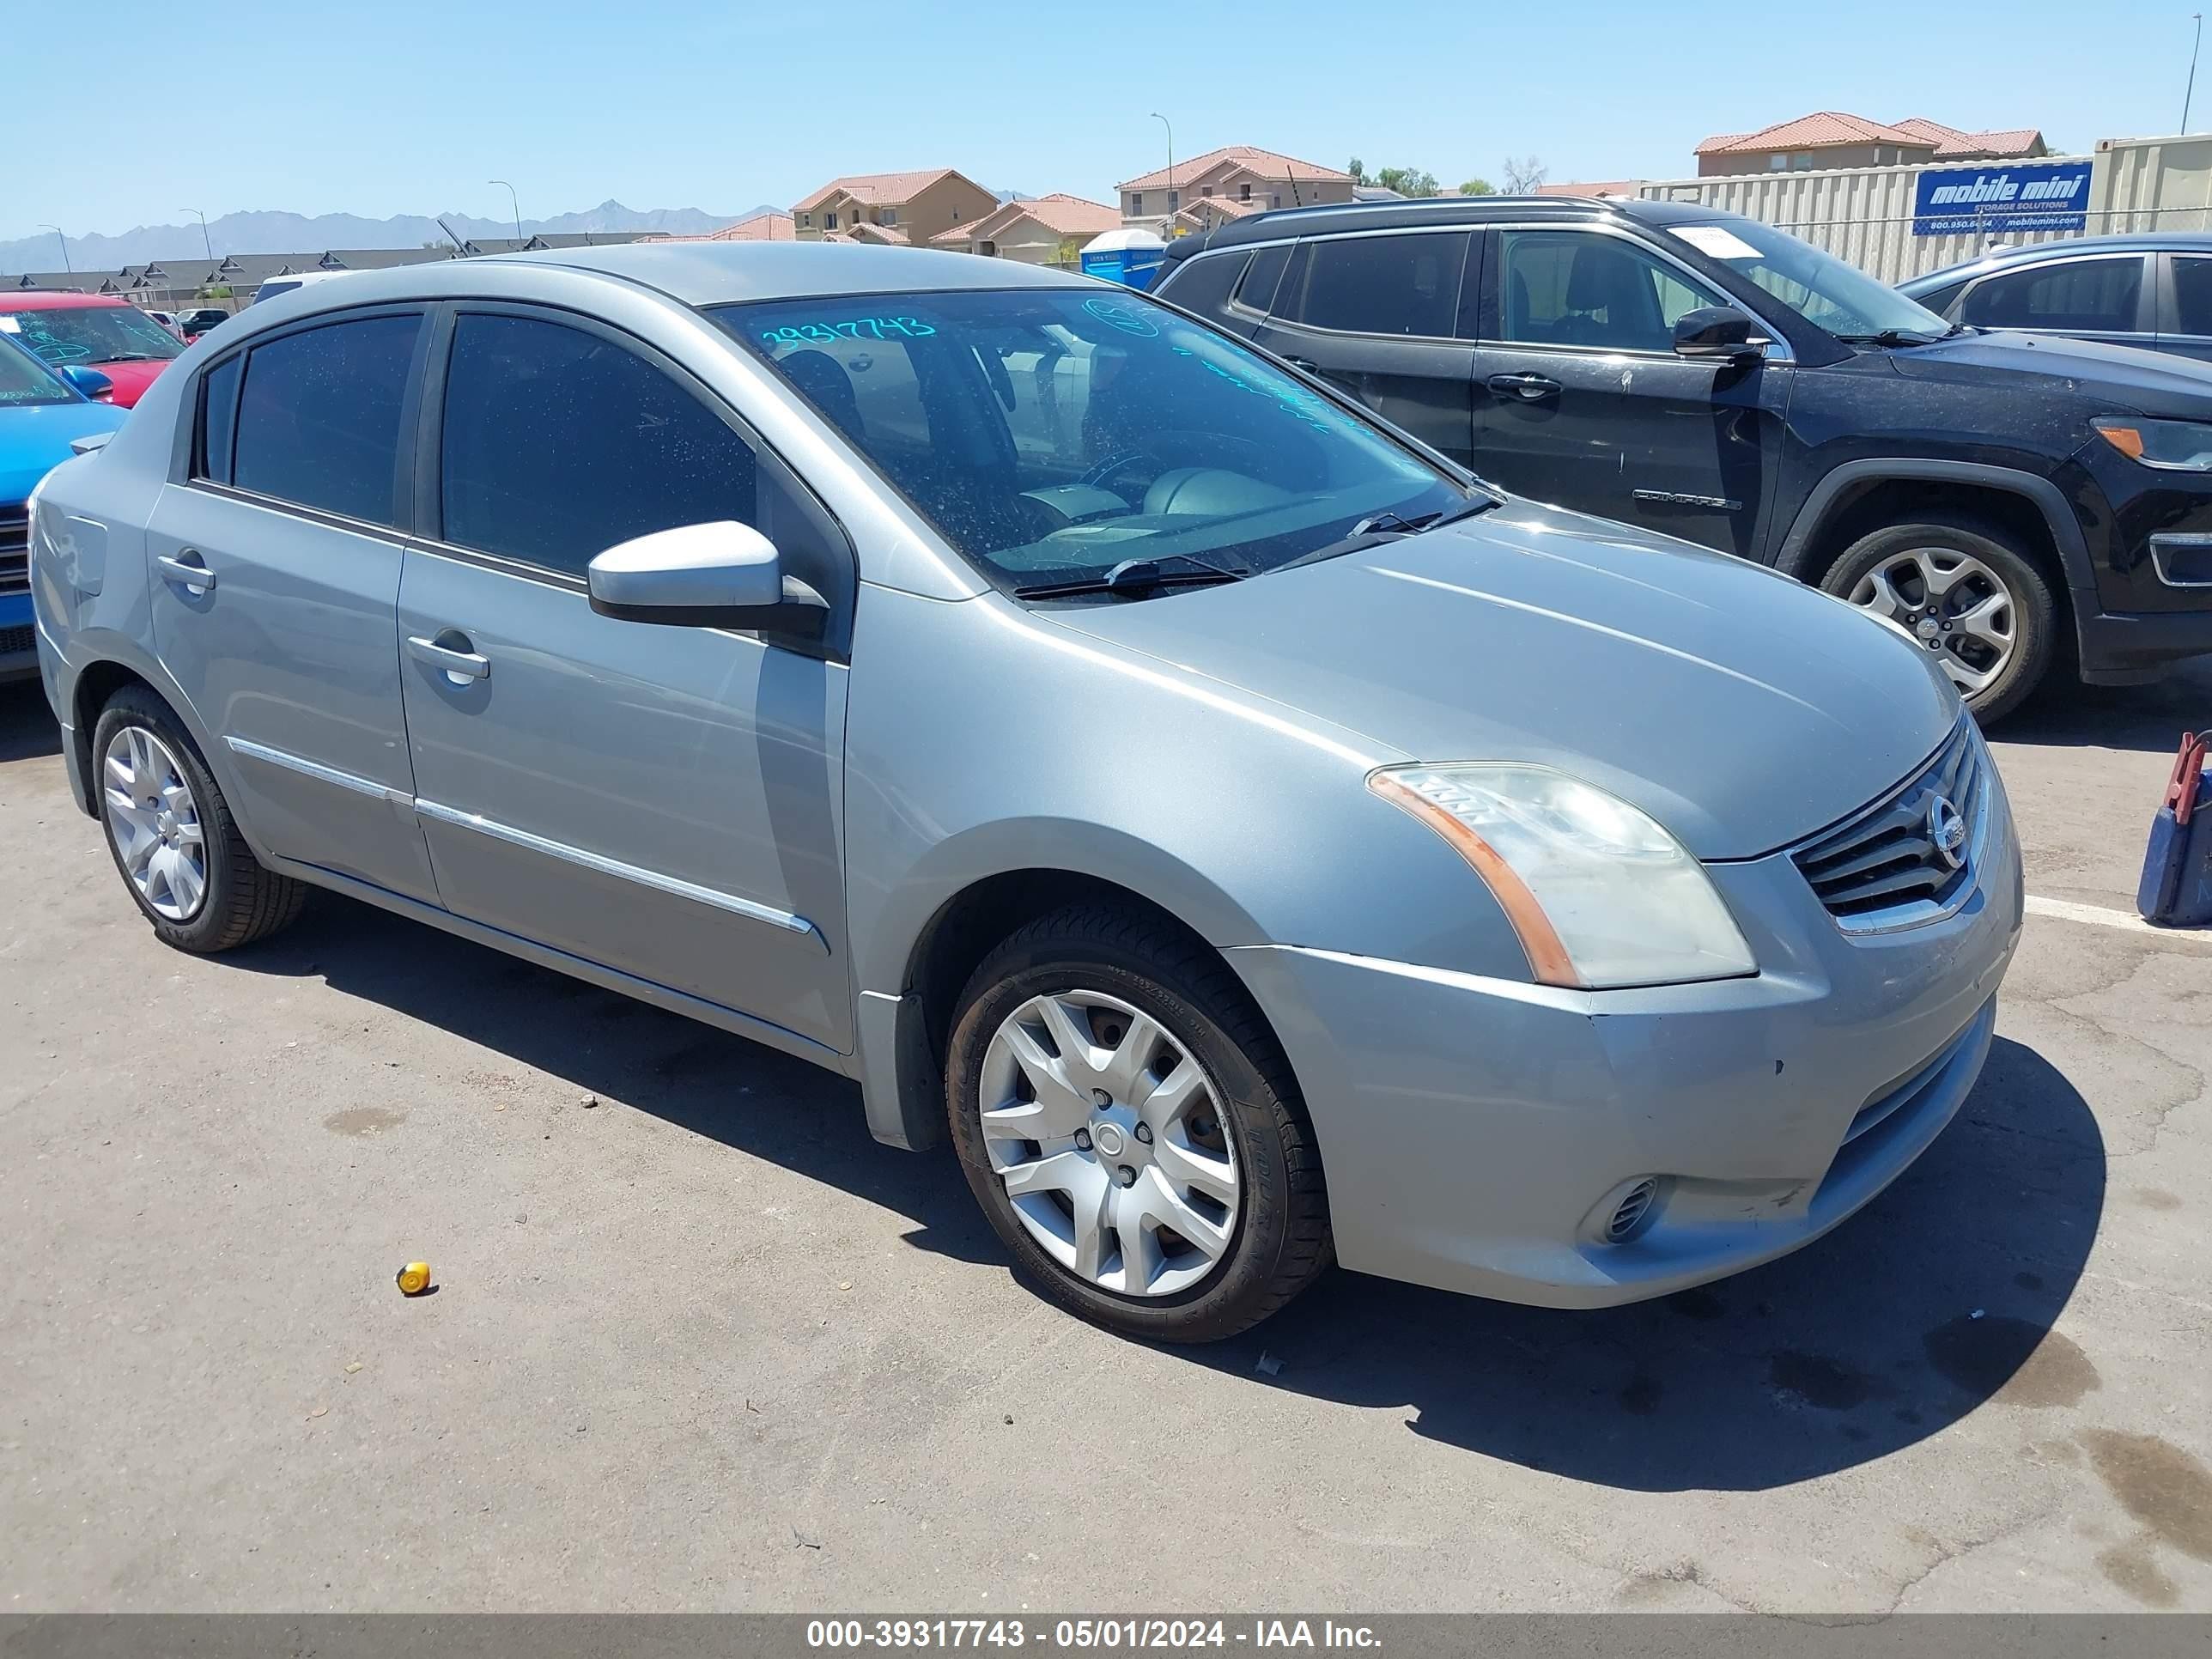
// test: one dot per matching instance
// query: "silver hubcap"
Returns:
(155, 821)
(1109, 1139)
(1952, 605)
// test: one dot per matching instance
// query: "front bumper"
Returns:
(1476, 1133)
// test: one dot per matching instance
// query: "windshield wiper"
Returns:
(1389, 527)
(1137, 576)
(1891, 336)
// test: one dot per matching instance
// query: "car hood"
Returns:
(131, 379)
(1742, 709)
(34, 439)
(2146, 381)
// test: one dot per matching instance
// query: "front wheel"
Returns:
(1974, 602)
(1131, 1128)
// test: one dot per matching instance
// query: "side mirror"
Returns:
(1716, 332)
(723, 574)
(90, 382)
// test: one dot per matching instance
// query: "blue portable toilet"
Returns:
(1131, 258)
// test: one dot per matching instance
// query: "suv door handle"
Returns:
(186, 566)
(460, 661)
(1528, 388)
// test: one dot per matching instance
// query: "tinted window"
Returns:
(560, 443)
(1380, 284)
(319, 417)
(1938, 300)
(1263, 276)
(1566, 288)
(2088, 294)
(1202, 285)
(218, 412)
(2192, 295)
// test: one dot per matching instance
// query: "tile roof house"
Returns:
(1238, 173)
(768, 225)
(1048, 230)
(1829, 138)
(921, 202)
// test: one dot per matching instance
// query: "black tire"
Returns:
(243, 900)
(1280, 1240)
(2035, 609)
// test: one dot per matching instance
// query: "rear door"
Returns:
(662, 800)
(1377, 314)
(2107, 296)
(1581, 400)
(2185, 304)
(276, 583)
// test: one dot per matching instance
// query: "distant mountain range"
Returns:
(294, 233)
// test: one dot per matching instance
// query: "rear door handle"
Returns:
(459, 662)
(186, 566)
(1528, 388)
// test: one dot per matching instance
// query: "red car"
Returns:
(119, 340)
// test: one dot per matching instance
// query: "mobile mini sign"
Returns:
(2001, 201)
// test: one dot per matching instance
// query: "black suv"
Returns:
(2012, 501)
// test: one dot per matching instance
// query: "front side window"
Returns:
(319, 417)
(1396, 285)
(1051, 434)
(558, 443)
(2082, 296)
(91, 334)
(1569, 287)
(24, 381)
(2192, 295)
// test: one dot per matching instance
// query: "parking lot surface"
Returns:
(699, 1343)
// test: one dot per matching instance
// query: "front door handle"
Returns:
(450, 653)
(186, 566)
(1528, 388)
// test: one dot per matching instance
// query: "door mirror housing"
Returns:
(723, 574)
(90, 382)
(1720, 333)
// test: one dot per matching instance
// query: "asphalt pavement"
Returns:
(699, 1343)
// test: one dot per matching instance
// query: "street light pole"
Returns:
(63, 240)
(1170, 125)
(205, 241)
(513, 202)
(2191, 91)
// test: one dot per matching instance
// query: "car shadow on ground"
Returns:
(1937, 1297)
(2064, 714)
(28, 727)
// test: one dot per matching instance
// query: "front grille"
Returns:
(13, 639)
(1882, 868)
(15, 548)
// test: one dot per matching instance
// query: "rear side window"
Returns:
(559, 443)
(1262, 277)
(319, 417)
(1387, 284)
(218, 417)
(1203, 284)
(2192, 295)
(2084, 295)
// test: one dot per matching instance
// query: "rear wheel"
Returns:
(1127, 1123)
(1967, 595)
(178, 851)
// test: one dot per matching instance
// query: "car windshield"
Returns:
(23, 382)
(91, 334)
(1819, 287)
(1053, 434)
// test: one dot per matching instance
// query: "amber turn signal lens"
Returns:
(2126, 438)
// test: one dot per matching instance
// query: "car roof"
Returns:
(51, 298)
(717, 273)
(2147, 241)
(1276, 223)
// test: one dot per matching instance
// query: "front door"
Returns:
(276, 583)
(1581, 400)
(662, 800)
(1375, 315)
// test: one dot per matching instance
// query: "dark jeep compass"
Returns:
(2012, 501)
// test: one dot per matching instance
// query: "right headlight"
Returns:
(1600, 894)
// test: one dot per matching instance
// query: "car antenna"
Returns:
(454, 239)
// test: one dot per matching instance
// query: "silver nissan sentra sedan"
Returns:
(1255, 842)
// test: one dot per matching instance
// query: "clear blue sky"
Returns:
(411, 106)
